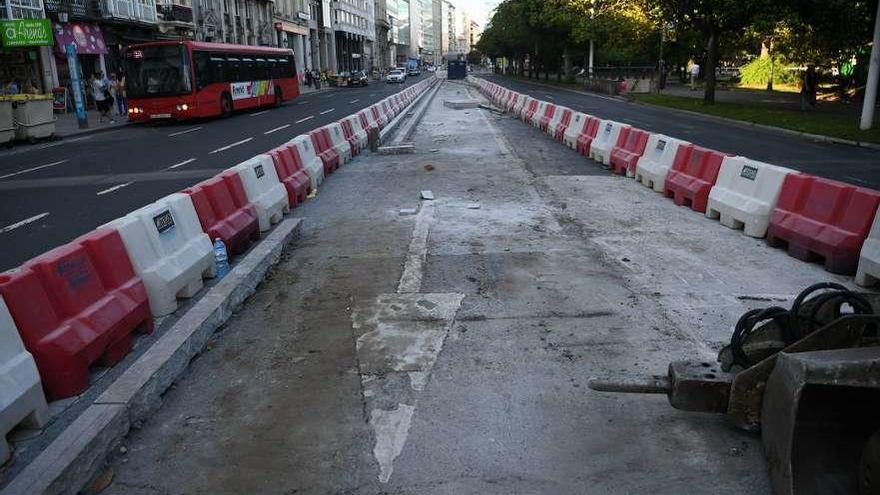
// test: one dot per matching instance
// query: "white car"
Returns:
(395, 76)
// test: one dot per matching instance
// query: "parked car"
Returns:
(413, 71)
(395, 76)
(356, 78)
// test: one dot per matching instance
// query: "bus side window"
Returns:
(248, 69)
(202, 62)
(262, 70)
(216, 73)
(290, 67)
(234, 70)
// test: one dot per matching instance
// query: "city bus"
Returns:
(176, 80)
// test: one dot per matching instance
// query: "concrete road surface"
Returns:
(448, 352)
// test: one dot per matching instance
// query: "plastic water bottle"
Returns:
(221, 258)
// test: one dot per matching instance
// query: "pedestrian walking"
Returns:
(308, 78)
(103, 98)
(695, 72)
(121, 95)
(317, 79)
(809, 88)
(113, 85)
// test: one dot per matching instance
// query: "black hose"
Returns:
(794, 323)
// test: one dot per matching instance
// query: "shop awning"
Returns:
(88, 37)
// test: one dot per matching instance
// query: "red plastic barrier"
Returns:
(589, 132)
(75, 305)
(821, 218)
(561, 127)
(529, 111)
(323, 144)
(291, 173)
(629, 149)
(225, 212)
(350, 136)
(549, 111)
(692, 176)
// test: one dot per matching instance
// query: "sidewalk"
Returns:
(67, 125)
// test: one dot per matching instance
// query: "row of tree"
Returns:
(553, 34)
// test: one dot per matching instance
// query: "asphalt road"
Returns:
(52, 192)
(859, 166)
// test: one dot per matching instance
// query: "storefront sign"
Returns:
(59, 97)
(26, 32)
(303, 15)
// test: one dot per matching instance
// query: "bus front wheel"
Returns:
(225, 105)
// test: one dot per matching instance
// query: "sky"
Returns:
(480, 10)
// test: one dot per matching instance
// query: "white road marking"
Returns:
(258, 113)
(327, 111)
(302, 103)
(59, 162)
(233, 145)
(114, 188)
(188, 160)
(26, 221)
(187, 131)
(548, 96)
(354, 101)
(300, 121)
(372, 94)
(270, 131)
(391, 429)
(327, 96)
(411, 279)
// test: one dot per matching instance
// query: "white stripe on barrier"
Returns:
(657, 160)
(21, 393)
(575, 127)
(310, 161)
(340, 144)
(263, 189)
(606, 139)
(869, 261)
(168, 250)
(745, 194)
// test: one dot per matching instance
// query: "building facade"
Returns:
(354, 30)
(448, 31)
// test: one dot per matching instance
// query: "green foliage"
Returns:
(757, 72)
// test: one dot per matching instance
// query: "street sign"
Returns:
(26, 32)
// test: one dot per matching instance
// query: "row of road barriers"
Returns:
(80, 303)
(815, 218)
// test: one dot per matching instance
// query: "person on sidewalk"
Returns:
(122, 98)
(809, 88)
(103, 99)
(308, 78)
(695, 72)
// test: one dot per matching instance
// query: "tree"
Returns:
(713, 19)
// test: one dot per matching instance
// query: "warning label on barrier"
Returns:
(164, 221)
(749, 172)
(259, 171)
(661, 145)
(608, 127)
(75, 271)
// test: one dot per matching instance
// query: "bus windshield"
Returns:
(157, 71)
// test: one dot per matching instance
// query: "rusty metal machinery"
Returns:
(806, 378)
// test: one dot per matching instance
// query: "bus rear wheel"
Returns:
(225, 106)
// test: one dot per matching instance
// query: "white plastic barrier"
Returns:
(575, 127)
(525, 106)
(658, 158)
(311, 161)
(21, 393)
(869, 261)
(745, 194)
(539, 113)
(359, 132)
(371, 119)
(263, 189)
(606, 140)
(340, 144)
(168, 250)
(556, 120)
(517, 98)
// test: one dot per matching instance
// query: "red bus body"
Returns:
(244, 76)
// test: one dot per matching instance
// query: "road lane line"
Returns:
(233, 145)
(372, 95)
(22, 223)
(270, 131)
(327, 111)
(302, 103)
(258, 113)
(300, 121)
(189, 160)
(354, 101)
(59, 162)
(114, 188)
(187, 131)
